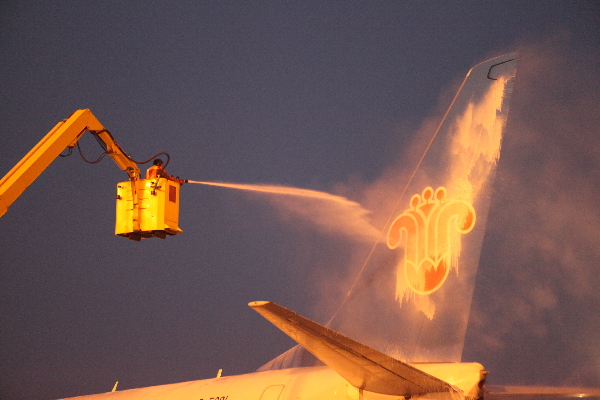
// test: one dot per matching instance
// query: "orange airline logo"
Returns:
(430, 230)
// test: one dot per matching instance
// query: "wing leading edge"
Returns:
(360, 365)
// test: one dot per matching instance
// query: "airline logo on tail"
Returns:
(431, 230)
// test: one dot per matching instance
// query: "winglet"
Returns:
(362, 366)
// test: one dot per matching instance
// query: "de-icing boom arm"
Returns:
(64, 134)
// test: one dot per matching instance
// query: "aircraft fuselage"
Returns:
(305, 383)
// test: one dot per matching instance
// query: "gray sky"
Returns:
(322, 96)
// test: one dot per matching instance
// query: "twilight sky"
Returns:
(327, 96)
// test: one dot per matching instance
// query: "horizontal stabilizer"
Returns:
(360, 365)
(528, 392)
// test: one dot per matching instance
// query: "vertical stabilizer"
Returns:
(413, 297)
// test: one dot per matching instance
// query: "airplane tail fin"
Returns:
(412, 297)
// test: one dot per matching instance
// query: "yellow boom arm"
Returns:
(64, 134)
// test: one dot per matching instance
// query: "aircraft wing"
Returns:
(516, 392)
(360, 365)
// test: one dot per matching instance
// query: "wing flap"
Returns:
(362, 366)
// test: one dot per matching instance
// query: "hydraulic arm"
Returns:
(139, 215)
